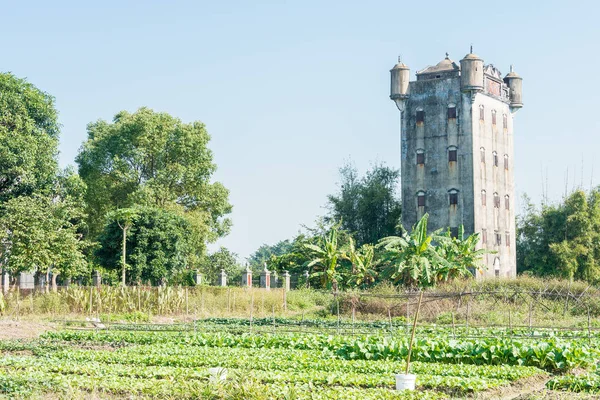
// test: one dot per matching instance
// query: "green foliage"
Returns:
(224, 259)
(28, 138)
(411, 259)
(460, 253)
(154, 160)
(157, 244)
(367, 207)
(561, 240)
(39, 233)
(326, 258)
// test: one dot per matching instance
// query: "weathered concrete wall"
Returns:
(438, 175)
(495, 179)
(468, 175)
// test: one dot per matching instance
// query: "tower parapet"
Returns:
(515, 84)
(471, 73)
(400, 75)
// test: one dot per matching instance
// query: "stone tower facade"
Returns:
(457, 152)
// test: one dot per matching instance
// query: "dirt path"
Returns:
(22, 329)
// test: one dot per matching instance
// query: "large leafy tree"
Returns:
(368, 207)
(561, 239)
(153, 159)
(157, 245)
(28, 138)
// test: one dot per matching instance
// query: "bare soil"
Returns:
(22, 329)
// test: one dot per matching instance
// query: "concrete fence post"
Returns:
(198, 278)
(96, 278)
(265, 279)
(247, 278)
(223, 278)
(287, 281)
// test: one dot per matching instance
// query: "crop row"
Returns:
(550, 354)
(589, 383)
(173, 355)
(23, 383)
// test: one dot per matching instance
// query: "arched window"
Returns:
(452, 154)
(420, 198)
(506, 161)
(495, 158)
(507, 238)
(493, 117)
(504, 121)
(481, 113)
(420, 116)
(507, 202)
(496, 200)
(484, 236)
(420, 156)
(453, 197)
(497, 266)
(482, 151)
(483, 198)
(451, 111)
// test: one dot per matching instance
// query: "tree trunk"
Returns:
(54, 287)
(123, 256)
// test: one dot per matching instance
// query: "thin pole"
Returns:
(412, 335)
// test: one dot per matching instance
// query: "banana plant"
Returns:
(326, 259)
(363, 261)
(461, 254)
(411, 259)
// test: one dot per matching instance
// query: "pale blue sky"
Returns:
(289, 90)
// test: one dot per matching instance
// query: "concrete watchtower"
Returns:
(457, 138)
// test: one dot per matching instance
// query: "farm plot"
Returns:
(291, 366)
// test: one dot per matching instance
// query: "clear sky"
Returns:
(290, 89)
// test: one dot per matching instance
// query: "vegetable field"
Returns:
(155, 363)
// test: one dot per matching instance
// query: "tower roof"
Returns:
(471, 55)
(512, 74)
(445, 65)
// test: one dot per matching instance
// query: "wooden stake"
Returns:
(412, 335)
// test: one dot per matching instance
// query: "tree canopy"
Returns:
(367, 207)
(563, 239)
(29, 132)
(155, 160)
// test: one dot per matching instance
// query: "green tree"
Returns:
(157, 246)
(29, 132)
(266, 254)
(561, 239)
(37, 234)
(368, 207)
(222, 259)
(363, 262)
(155, 160)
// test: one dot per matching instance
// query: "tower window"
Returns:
(420, 157)
(498, 238)
(420, 116)
(507, 202)
(453, 197)
(454, 232)
(451, 112)
(507, 238)
(506, 161)
(481, 113)
(483, 236)
(482, 151)
(504, 121)
(421, 199)
(483, 198)
(496, 200)
(495, 155)
(493, 117)
(452, 154)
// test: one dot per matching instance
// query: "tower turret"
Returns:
(515, 84)
(400, 76)
(471, 72)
